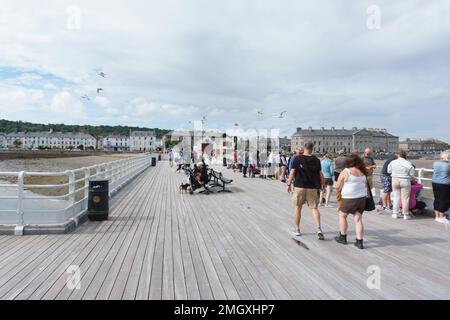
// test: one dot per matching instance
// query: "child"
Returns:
(415, 190)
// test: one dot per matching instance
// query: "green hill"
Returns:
(7, 126)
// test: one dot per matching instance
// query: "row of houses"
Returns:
(424, 146)
(332, 139)
(347, 140)
(137, 141)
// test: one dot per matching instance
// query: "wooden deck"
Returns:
(160, 244)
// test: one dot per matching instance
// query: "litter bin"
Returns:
(153, 162)
(98, 200)
(159, 158)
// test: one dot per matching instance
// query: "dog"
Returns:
(184, 187)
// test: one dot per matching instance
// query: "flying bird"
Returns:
(86, 97)
(99, 90)
(281, 115)
(260, 113)
(102, 74)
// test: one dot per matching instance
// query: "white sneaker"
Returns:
(406, 217)
(328, 206)
(394, 216)
(441, 220)
(296, 233)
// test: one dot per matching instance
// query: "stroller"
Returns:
(198, 178)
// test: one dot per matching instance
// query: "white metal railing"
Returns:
(420, 176)
(20, 206)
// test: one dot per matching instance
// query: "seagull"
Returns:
(102, 74)
(260, 113)
(85, 96)
(100, 89)
(281, 115)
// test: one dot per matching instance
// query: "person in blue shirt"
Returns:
(327, 165)
(386, 181)
(297, 153)
(441, 186)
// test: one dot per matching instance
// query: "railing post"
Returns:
(87, 174)
(97, 172)
(106, 171)
(18, 230)
(421, 171)
(72, 187)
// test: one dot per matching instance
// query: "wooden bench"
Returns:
(219, 180)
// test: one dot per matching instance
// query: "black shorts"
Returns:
(441, 197)
(336, 176)
(351, 206)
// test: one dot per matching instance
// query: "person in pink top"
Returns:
(415, 189)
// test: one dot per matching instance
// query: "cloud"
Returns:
(170, 62)
(64, 103)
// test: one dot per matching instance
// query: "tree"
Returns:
(80, 147)
(17, 143)
(70, 148)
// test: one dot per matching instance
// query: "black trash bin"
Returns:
(159, 158)
(98, 200)
(153, 162)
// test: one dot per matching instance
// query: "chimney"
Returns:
(310, 129)
(355, 128)
(343, 128)
(332, 129)
(299, 129)
(322, 128)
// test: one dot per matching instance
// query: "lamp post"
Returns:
(203, 120)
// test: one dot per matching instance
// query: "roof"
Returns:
(70, 135)
(142, 133)
(115, 136)
(342, 132)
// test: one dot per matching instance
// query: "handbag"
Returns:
(370, 203)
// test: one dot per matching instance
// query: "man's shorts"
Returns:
(302, 196)
(386, 180)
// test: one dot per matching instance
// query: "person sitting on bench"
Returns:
(200, 178)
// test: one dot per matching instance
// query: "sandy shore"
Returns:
(53, 165)
(58, 164)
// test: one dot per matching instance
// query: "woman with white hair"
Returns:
(441, 186)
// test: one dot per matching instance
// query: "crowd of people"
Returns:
(311, 180)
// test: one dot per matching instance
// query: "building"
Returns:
(116, 143)
(285, 144)
(2, 140)
(142, 141)
(50, 140)
(348, 140)
(427, 145)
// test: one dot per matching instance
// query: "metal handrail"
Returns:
(118, 172)
(420, 175)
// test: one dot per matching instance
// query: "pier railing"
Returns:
(423, 176)
(30, 199)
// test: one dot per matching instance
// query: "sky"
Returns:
(343, 63)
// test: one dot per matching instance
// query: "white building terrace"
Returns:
(144, 141)
(116, 143)
(348, 140)
(52, 140)
(2, 140)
